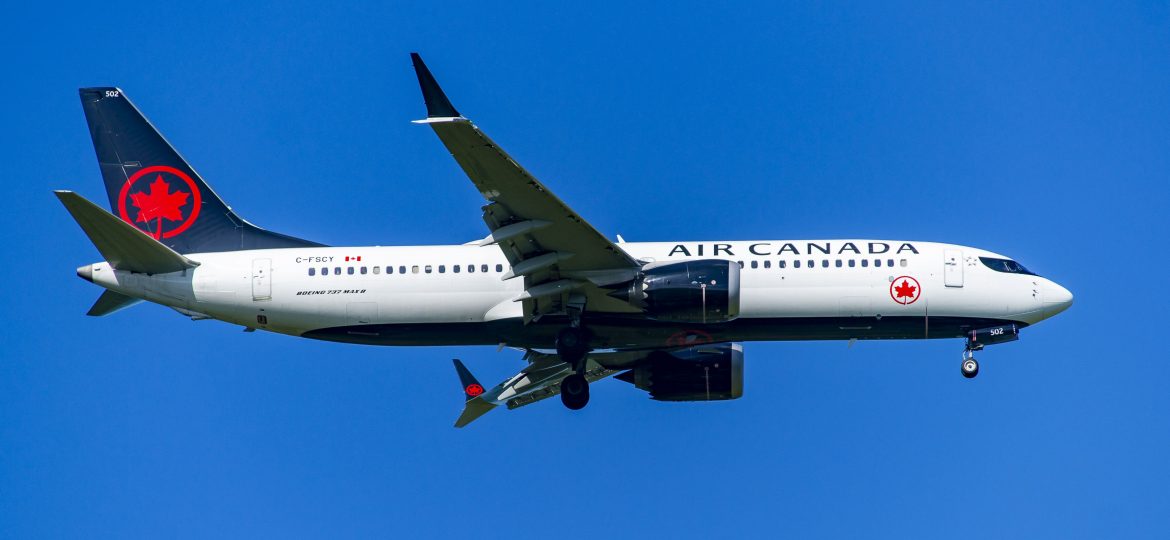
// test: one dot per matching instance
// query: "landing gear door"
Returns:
(953, 268)
(261, 279)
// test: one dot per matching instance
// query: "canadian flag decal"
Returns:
(358, 258)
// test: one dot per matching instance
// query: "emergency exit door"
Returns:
(953, 268)
(261, 279)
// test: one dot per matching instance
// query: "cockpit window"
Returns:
(1005, 265)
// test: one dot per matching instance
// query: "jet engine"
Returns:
(703, 291)
(703, 373)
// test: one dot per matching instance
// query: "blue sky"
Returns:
(1039, 131)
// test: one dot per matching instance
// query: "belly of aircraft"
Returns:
(638, 333)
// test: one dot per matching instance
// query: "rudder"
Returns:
(153, 188)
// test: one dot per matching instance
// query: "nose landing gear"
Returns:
(970, 366)
(980, 337)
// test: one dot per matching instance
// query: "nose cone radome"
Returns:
(85, 272)
(1056, 299)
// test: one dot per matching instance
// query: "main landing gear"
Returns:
(573, 346)
(970, 366)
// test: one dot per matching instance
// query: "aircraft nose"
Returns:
(1056, 298)
(85, 272)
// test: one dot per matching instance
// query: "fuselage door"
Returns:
(261, 279)
(953, 268)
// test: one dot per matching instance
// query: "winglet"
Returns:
(476, 406)
(438, 106)
(471, 387)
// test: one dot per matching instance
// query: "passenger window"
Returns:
(402, 270)
(838, 263)
(755, 264)
(455, 269)
(865, 263)
(781, 264)
(427, 269)
(442, 269)
(795, 264)
(812, 263)
(337, 270)
(377, 269)
(414, 269)
(324, 270)
(363, 270)
(877, 263)
(767, 264)
(483, 268)
(499, 268)
(312, 271)
(740, 264)
(349, 270)
(903, 263)
(890, 263)
(852, 263)
(471, 269)
(825, 263)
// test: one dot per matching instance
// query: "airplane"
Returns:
(669, 318)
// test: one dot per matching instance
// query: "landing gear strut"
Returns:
(573, 346)
(970, 366)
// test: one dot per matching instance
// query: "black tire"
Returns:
(970, 368)
(575, 391)
(572, 345)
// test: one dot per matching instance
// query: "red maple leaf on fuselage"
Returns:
(159, 204)
(905, 290)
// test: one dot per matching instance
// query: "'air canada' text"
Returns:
(790, 248)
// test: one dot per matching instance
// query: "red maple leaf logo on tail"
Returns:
(905, 290)
(159, 204)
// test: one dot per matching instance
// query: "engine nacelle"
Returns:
(696, 292)
(703, 373)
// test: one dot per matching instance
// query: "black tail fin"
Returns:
(153, 188)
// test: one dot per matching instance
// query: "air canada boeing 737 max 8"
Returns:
(666, 317)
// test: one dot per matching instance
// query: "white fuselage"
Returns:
(294, 291)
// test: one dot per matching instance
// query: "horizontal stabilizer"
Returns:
(110, 302)
(122, 245)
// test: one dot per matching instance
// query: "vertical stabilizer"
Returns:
(154, 189)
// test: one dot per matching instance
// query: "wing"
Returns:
(699, 373)
(540, 379)
(561, 257)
